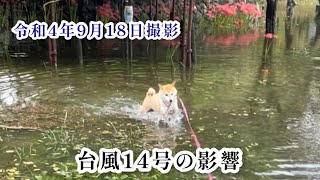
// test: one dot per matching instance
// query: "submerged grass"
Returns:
(61, 164)
(61, 136)
(52, 154)
(23, 153)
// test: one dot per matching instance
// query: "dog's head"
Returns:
(168, 92)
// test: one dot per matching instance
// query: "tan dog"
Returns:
(163, 102)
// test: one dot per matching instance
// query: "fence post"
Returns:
(189, 43)
(271, 18)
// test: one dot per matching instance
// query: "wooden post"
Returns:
(79, 41)
(50, 52)
(131, 50)
(79, 49)
(156, 16)
(189, 48)
(271, 17)
(172, 15)
(193, 45)
(121, 10)
(127, 48)
(150, 13)
(183, 27)
(11, 14)
(54, 42)
(288, 34)
(28, 13)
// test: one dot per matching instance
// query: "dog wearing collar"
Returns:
(163, 102)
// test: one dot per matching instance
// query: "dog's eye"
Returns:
(171, 94)
(166, 94)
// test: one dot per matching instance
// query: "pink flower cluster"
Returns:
(232, 10)
(226, 9)
(106, 12)
(248, 9)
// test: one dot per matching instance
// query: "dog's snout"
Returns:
(170, 100)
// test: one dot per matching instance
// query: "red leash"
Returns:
(193, 135)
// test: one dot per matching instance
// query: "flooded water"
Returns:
(244, 91)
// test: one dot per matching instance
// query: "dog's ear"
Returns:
(174, 83)
(160, 86)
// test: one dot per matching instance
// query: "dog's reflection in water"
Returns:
(162, 136)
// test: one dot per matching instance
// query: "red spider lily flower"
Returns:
(211, 14)
(269, 35)
(107, 6)
(239, 4)
(232, 10)
(248, 9)
(115, 16)
(105, 11)
(136, 10)
(253, 10)
(171, 43)
(175, 43)
(226, 9)
(73, 2)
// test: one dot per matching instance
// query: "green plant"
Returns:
(23, 153)
(59, 140)
(61, 136)
(171, 52)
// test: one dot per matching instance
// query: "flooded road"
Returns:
(261, 96)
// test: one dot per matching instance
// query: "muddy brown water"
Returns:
(266, 103)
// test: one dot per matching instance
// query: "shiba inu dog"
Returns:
(163, 102)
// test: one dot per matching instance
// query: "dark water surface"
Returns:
(267, 105)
